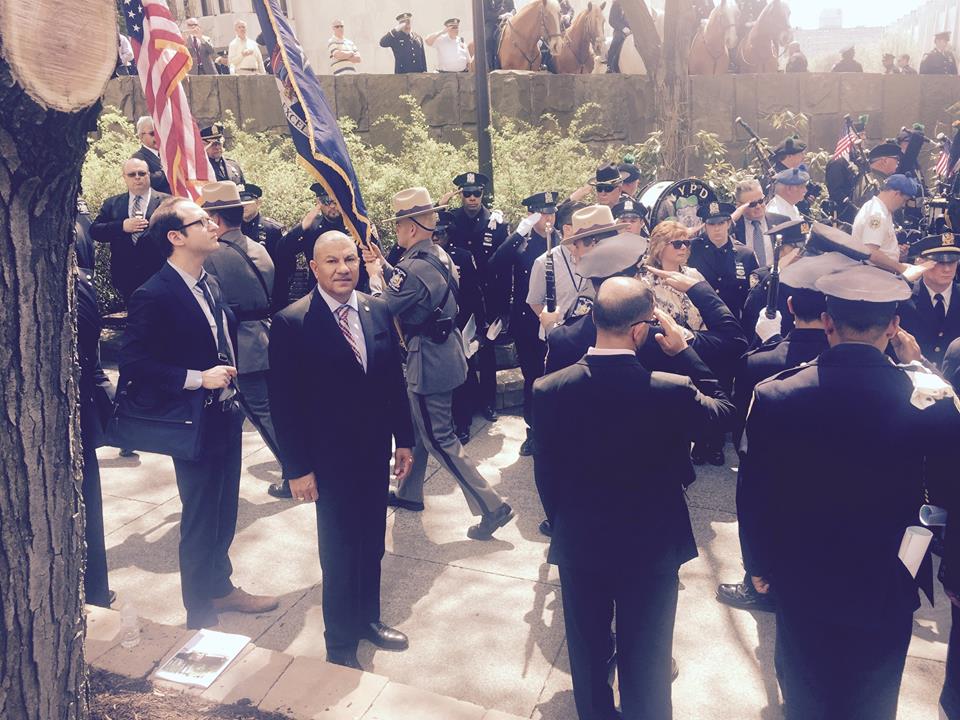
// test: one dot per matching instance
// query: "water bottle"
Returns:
(129, 626)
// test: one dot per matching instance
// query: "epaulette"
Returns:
(768, 345)
(789, 372)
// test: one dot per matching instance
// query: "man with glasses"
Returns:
(344, 56)
(201, 49)
(608, 184)
(616, 474)
(180, 337)
(122, 222)
(482, 231)
(749, 220)
(223, 167)
(149, 152)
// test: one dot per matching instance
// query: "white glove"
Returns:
(526, 225)
(768, 327)
(496, 218)
(505, 16)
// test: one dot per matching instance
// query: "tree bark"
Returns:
(41, 530)
(673, 84)
(644, 33)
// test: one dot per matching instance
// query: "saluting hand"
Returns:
(912, 273)
(676, 280)
(906, 347)
(402, 463)
(218, 377)
(671, 339)
(304, 488)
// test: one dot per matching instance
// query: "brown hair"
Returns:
(665, 232)
(164, 219)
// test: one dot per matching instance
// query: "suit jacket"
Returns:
(167, 334)
(917, 318)
(203, 61)
(331, 417)
(614, 447)
(227, 169)
(830, 508)
(131, 264)
(158, 180)
(244, 294)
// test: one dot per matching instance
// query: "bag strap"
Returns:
(253, 266)
(452, 284)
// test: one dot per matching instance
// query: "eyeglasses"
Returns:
(338, 26)
(472, 193)
(652, 321)
(755, 203)
(206, 221)
(137, 173)
(151, 133)
(680, 244)
(606, 188)
(326, 201)
(547, 211)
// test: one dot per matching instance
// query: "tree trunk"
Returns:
(644, 33)
(41, 534)
(673, 85)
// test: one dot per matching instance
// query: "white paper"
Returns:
(933, 516)
(494, 330)
(203, 658)
(913, 547)
(468, 334)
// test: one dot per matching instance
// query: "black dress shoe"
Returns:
(128, 453)
(546, 528)
(674, 669)
(385, 637)
(489, 413)
(280, 490)
(490, 523)
(346, 659)
(463, 435)
(715, 457)
(112, 597)
(393, 500)
(528, 448)
(698, 455)
(745, 597)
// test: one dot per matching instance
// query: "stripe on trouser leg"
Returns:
(444, 457)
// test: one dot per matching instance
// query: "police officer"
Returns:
(931, 315)
(407, 46)
(724, 263)
(779, 352)
(874, 225)
(608, 184)
(481, 230)
(833, 514)
(518, 254)
(633, 213)
(224, 168)
(940, 60)
(631, 177)
(847, 63)
(422, 292)
(264, 230)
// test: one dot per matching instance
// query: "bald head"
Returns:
(620, 303)
(331, 239)
(336, 264)
(136, 175)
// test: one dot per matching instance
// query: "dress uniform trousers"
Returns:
(950, 697)
(209, 490)
(95, 582)
(433, 421)
(531, 354)
(832, 671)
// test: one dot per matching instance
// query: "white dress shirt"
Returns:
(610, 351)
(945, 295)
(452, 55)
(569, 284)
(874, 226)
(765, 239)
(353, 320)
(131, 199)
(780, 206)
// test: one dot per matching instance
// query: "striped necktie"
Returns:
(343, 313)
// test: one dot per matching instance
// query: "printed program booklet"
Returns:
(204, 656)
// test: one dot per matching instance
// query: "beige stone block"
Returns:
(902, 96)
(822, 132)
(328, 85)
(821, 93)
(510, 94)
(861, 92)
(383, 96)
(103, 631)
(745, 91)
(156, 641)
(938, 93)
(229, 89)
(778, 93)
(437, 95)
(250, 676)
(260, 104)
(311, 688)
(203, 92)
(402, 702)
(467, 97)
(712, 105)
(553, 94)
(351, 99)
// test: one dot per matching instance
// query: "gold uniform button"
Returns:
(936, 349)
(940, 334)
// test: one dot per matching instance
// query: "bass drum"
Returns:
(677, 200)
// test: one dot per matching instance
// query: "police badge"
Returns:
(754, 280)
(396, 280)
(874, 222)
(741, 271)
(584, 305)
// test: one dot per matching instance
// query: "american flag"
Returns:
(845, 141)
(943, 162)
(163, 60)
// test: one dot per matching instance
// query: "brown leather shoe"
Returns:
(240, 601)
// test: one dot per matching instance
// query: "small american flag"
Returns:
(163, 60)
(943, 162)
(845, 141)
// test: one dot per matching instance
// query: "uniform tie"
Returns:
(939, 308)
(342, 313)
(137, 213)
(758, 246)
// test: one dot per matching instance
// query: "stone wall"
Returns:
(625, 116)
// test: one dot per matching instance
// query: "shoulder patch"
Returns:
(397, 279)
(874, 222)
(754, 280)
(582, 307)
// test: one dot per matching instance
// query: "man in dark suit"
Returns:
(180, 337)
(123, 221)
(201, 49)
(930, 315)
(592, 420)
(834, 515)
(338, 398)
(149, 152)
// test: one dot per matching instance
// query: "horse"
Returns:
(710, 48)
(520, 39)
(582, 42)
(758, 51)
(631, 62)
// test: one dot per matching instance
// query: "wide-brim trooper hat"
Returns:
(824, 238)
(865, 284)
(612, 257)
(412, 202)
(222, 195)
(592, 221)
(803, 273)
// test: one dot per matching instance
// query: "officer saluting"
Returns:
(223, 167)
(940, 60)
(407, 46)
(422, 293)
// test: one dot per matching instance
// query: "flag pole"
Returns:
(482, 94)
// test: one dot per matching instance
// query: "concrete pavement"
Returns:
(484, 618)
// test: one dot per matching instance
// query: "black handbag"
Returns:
(166, 425)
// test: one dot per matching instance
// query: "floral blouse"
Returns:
(676, 303)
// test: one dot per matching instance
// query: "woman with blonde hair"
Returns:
(669, 250)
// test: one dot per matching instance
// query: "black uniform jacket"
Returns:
(831, 479)
(726, 268)
(613, 441)
(917, 317)
(158, 180)
(332, 418)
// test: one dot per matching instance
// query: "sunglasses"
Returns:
(755, 203)
(680, 244)
(137, 173)
(651, 322)
(151, 133)
(326, 201)
(338, 26)
(206, 221)
(472, 193)
(605, 187)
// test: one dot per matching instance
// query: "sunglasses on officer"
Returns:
(136, 173)
(473, 192)
(606, 187)
(755, 203)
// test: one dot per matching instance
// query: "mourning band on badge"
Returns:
(397, 279)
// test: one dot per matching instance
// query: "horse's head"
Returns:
(774, 20)
(550, 28)
(593, 27)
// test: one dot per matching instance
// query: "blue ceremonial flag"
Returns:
(313, 126)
